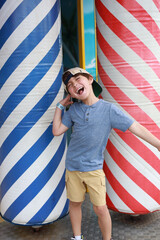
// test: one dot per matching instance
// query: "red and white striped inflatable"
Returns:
(128, 36)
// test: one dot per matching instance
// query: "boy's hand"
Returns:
(66, 101)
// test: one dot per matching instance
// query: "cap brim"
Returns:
(97, 89)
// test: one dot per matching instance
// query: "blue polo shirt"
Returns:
(91, 128)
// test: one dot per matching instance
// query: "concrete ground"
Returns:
(125, 227)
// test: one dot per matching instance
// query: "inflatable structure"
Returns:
(32, 169)
(129, 71)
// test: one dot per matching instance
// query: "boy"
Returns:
(92, 120)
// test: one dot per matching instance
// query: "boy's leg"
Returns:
(104, 221)
(76, 194)
(75, 213)
(97, 192)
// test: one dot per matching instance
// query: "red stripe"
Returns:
(131, 202)
(142, 16)
(110, 204)
(157, 3)
(130, 107)
(126, 70)
(133, 173)
(143, 151)
(128, 37)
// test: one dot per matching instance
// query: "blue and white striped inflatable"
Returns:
(32, 185)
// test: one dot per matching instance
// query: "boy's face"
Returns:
(79, 87)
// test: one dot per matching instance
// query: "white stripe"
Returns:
(7, 9)
(151, 9)
(130, 22)
(133, 189)
(30, 174)
(41, 198)
(129, 55)
(55, 214)
(129, 89)
(116, 200)
(25, 28)
(135, 160)
(29, 139)
(28, 103)
(30, 62)
(107, 97)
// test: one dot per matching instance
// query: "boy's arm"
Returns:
(58, 127)
(143, 133)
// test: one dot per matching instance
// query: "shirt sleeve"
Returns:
(66, 119)
(119, 119)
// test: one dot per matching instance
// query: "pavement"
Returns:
(125, 227)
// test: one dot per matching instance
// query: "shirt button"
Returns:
(87, 114)
(86, 119)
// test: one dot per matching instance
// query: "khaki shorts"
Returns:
(77, 183)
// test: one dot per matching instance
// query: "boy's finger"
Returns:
(68, 96)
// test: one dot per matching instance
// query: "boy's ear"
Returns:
(91, 79)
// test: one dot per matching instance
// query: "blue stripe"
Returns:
(2, 2)
(31, 118)
(26, 161)
(20, 13)
(65, 209)
(26, 197)
(48, 207)
(29, 82)
(28, 45)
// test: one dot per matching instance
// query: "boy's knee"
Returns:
(75, 204)
(100, 210)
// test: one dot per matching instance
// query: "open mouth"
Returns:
(80, 90)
